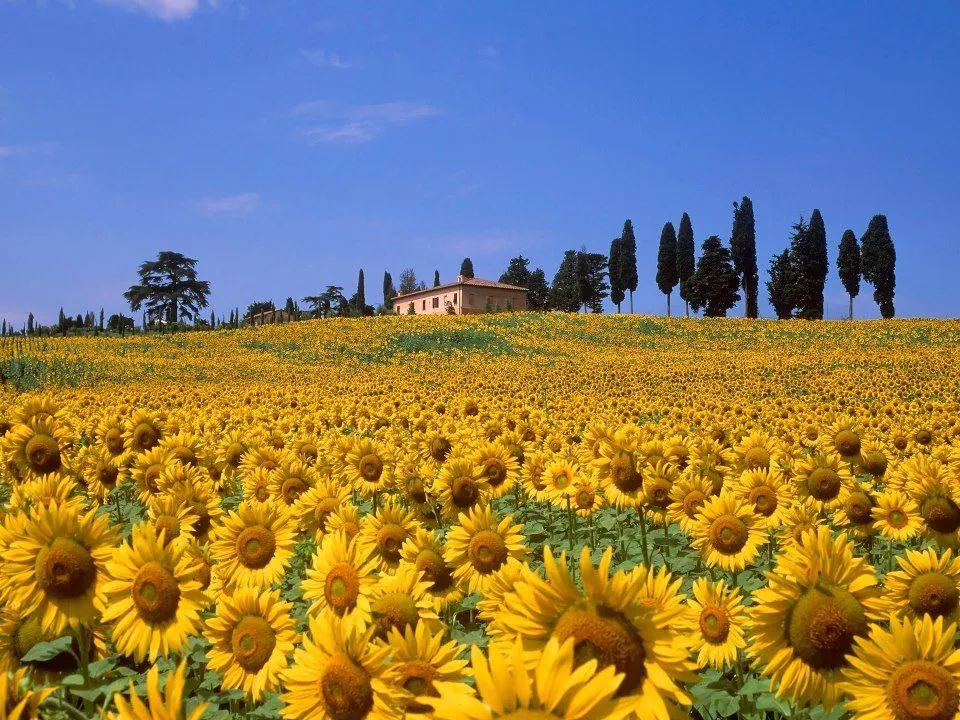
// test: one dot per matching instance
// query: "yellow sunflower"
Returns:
(897, 517)
(289, 481)
(17, 701)
(400, 601)
(253, 546)
(717, 614)
(480, 545)
(460, 487)
(36, 448)
(802, 625)
(367, 466)
(419, 660)
(822, 477)
(167, 705)
(768, 492)
(909, 672)
(338, 674)
(341, 578)
(687, 496)
(607, 625)
(925, 584)
(727, 533)
(252, 634)
(387, 529)
(171, 515)
(424, 551)
(142, 431)
(558, 687)
(56, 568)
(153, 600)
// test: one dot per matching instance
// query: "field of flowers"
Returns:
(507, 516)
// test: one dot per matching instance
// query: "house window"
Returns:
(424, 304)
(436, 302)
(454, 298)
(470, 299)
(398, 309)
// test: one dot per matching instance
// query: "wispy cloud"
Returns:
(230, 205)
(488, 51)
(169, 10)
(321, 58)
(7, 151)
(359, 123)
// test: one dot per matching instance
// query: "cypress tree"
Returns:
(809, 257)
(616, 292)
(667, 262)
(743, 248)
(30, 322)
(62, 322)
(878, 259)
(361, 295)
(848, 266)
(436, 278)
(781, 285)
(714, 285)
(565, 291)
(685, 258)
(389, 292)
(466, 268)
(627, 260)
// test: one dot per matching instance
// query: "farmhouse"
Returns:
(268, 317)
(465, 296)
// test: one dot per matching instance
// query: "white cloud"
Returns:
(169, 10)
(359, 123)
(231, 205)
(488, 51)
(7, 151)
(321, 58)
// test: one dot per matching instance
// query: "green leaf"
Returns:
(99, 668)
(48, 650)
(269, 709)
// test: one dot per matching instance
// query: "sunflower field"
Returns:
(465, 518)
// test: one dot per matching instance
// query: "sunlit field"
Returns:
(520, 516)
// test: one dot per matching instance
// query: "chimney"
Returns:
(459, 279)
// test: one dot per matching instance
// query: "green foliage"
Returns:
(714, 285)
(169, 288)
(743, 248)
(466, 268)
(686, 257)
(667, 278)
(808, 253)
(565, 291)
(780, 285)
(878, 260)
(616, 290)
(464, 339)
(848, 265)
(628, 260)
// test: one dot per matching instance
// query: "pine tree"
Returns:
(565, 291)
(743, 248)
(848, 266)
(30, 322)
(808, 255)
(466, 268)
(714, 285)
(389, 292)
(62, 323)
(538, 292)
(781, 285)
(686, 259)
(361, 296)
(667, 262)
(436, 278)
(616, 291)
(878, 259)
(627, 260)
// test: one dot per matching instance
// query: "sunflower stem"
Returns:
(643, 536)
(83, 644)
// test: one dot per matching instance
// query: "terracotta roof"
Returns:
(476, 282)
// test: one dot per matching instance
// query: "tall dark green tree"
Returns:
(357, 304)
(436, 278)
(591, 269)
(538, 291)
(62, 323)
(743, 248)
(848, 266)
(878, 259)
(616, 291)
(30, 322)
(518, 273)
(408, 281)
(565, 290)
(667, 262)
(389, 292)
(808, 253)
(627, 260)
(714, 285)
(169, 287)
(686, 258)
(466, 268)
(782, 285)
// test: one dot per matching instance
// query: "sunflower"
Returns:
(843, 437)
(257, 486)
(607, 626)
(153, 599)
(420, 659)
(254, 545)
(460, 487)
(341, 578)
(146, 471)
(367, 466)
(56, 568)
(19, 634)
(713, 461)
(201, 497)
(617, 467)
(344, 518)
(54, 487)
(494, 462)
(231, 449)
(768, 492)
(314, 506)
(401, 601)
(252, 634)
(818, 599)
(855, 510)
(931, 484)
(387, 529)
(168, 705)
(480, 545)
(289, 481)
(727, 533)
(17, 701)
(558, 687)
(588, 495)
(657, 484)
(99, 470)
(687, 496)
(896, 516)
(142, 431)
(874, 458)
(173, 517)
(184, 447)
(339, 674)
(559, 479)
(758, 450)
(498, 585)
(717, 614)
(799, 518)
(909, 672)
(823, 477)
(532, 470)
(36, 448)
(268, 458)
(109, 437)
(926, 584)
(424, 552)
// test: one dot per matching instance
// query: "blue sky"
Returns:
(286, 143)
